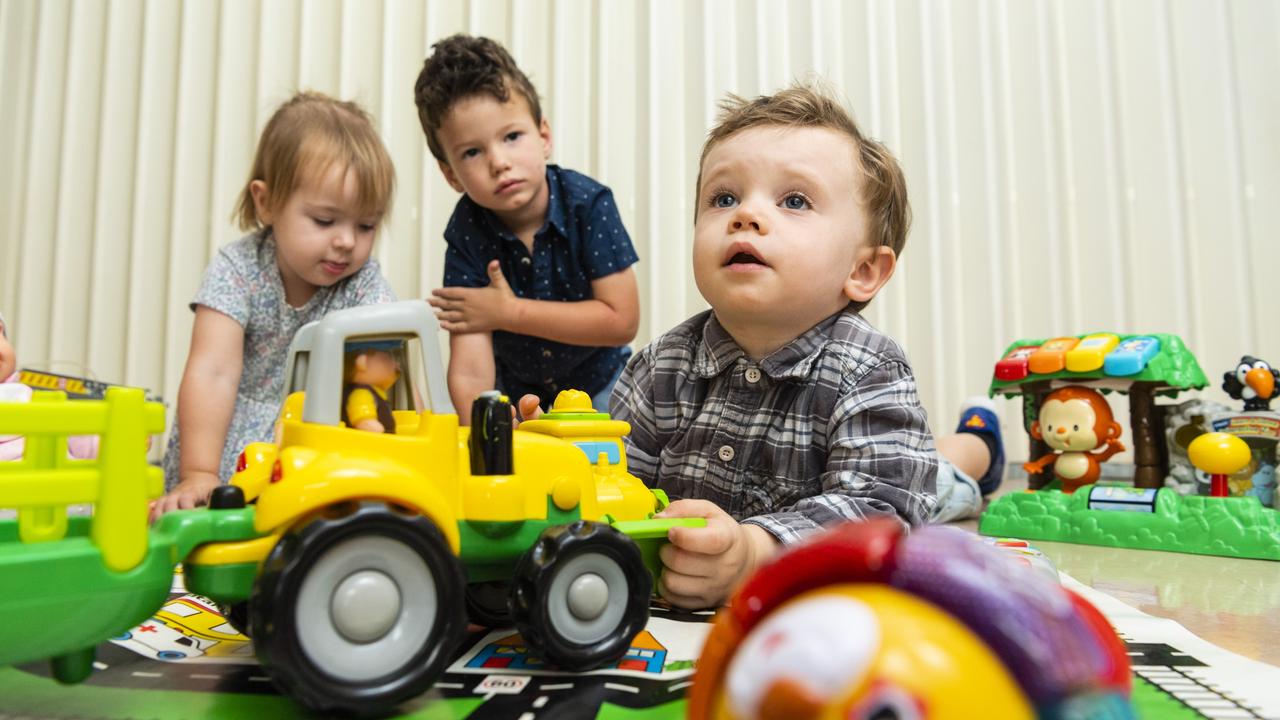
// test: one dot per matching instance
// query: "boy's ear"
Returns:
(544, 132)
(258, 189)
(871, 271)
(449, 176)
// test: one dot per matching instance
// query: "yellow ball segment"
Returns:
(1218, 453)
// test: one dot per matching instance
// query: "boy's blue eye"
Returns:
(795, 202)
(323, 222)
(470, 153)
(366, 227)
(514, 135)
(723, 200)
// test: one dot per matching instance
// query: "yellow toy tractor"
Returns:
(371, 550)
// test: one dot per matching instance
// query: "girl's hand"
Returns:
(473, 310)
(194, 490)
(703, 565)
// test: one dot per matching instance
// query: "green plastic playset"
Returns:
(1057, 379)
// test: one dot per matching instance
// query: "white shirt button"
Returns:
(725, 453)
(753, 375)
(525, 261)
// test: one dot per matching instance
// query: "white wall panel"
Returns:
(17, 53)
(111, 228)
(39, 205)
(152, 242)
(77, 187)
(1073, 166)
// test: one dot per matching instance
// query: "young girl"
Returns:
(321, 183)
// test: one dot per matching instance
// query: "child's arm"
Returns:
(881, 459)
(633, 401)
(701, 565)
(471, 370)
(704, 565)
(206, 401)
(610, 318)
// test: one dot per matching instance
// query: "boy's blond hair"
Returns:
(307, 135)
(884, 189)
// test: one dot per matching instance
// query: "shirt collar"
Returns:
(557, 211)
(718, 351)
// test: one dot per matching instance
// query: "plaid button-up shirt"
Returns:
(827, 428)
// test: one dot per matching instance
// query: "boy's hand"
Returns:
(471, 310)
(530, 409)
(703, 565)
(194, 490)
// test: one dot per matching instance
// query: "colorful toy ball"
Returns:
(865, 622)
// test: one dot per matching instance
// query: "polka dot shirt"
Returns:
(582, 239)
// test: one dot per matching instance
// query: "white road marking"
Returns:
(627, 688)
(542, 700)
(562, 686)
(137, 673)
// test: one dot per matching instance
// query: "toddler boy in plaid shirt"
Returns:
(781, 409)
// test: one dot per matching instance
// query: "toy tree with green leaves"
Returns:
(1170, 372)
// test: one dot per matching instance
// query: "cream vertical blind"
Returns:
(1074, 166)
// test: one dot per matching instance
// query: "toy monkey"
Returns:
(1075, 421)
(370, 373)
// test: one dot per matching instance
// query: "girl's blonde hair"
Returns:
(307, 135)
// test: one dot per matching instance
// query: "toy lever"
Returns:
(1218, 454)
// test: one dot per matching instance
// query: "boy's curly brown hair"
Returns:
(462, 66)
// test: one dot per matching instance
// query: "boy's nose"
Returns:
(498, 162)
(746, 219)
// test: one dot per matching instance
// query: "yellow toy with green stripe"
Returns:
(353, 559)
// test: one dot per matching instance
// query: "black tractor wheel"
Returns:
(358, 609)
(237, 614)
(581, 594)
(488, 604)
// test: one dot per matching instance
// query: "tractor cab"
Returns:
(382, 358)
(328, 357)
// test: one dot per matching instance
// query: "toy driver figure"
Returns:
(371, 370)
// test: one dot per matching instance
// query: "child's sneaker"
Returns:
(978, 416)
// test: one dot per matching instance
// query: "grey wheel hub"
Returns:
(366, 608)
(365, 605)
(587, 599)
(588, 596)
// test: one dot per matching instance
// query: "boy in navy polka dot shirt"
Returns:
(539, 291)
